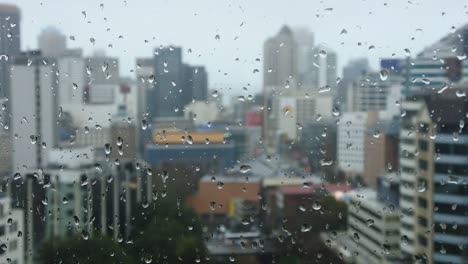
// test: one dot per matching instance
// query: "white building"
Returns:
(52, 43)
(201, 112)
(351, 135)
(373, 229)
(34, 112)
(71, 80)
(293, 109)
(11, 228)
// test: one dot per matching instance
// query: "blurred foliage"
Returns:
(165, 231)
(79, 250)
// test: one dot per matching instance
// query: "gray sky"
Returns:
(388, 25)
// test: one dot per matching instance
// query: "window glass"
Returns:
(158, 131)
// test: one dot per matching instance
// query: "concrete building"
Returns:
(432, 167)
(213, 202)
(352, 72)
(123, 140)
(322, 68)
(71, 67)
(279, 60)
(210, 150)
(144, 83)
(34, 111)
(305, 43)
(10, 44)
(201, 112)
(292, 110)
(165, 100)
(11, 227)
(51, 42)
(371, 93)
(381, 152)
(89, 198)
(351, 140)
(319, 139)
(196, 80)
(373, 229)
(102, 79)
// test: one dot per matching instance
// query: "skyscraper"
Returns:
(321, 68)
(168, 97)
(51, 42)
(305, 43)
(279, 60)
(434, 108)
(197, 81)
(10, 44)
(34, 111)
(433, 175)
(102, 79)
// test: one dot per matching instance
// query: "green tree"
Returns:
(79, 250)
(173, 234)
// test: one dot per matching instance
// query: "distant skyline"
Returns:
(242, 26)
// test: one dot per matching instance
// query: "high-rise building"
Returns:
(71, 78)
(34, 111)
(305, 43)
(52, 43)
(169, 95)
(433, 165)
(352, 72)
(12, 226)
(145, 88)
(351, 136)
(319, 139)
(10, 44)
(279, 60)
(371, 93)
(373, 234)
(102, 79)
(292, 110)
(438, 70)
(321, 69)
(381, 150)
(197, 82)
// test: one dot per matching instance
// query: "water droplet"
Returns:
(85, 235)
(316, 206)
(323, 53)
(306, 228)
(245, 168)
(407, 52)
(422, 186)
(324, 89)
(107, 148)
(460, 93)
(326, 162)
(383, 75)
(33, 139)
(404, 240)
(356, 237)
(119, 141)
(376, 134)
(144, 124)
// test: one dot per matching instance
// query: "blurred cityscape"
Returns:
(359, 166)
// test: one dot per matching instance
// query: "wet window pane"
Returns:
(233, 131)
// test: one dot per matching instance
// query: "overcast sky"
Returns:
(388, 25)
